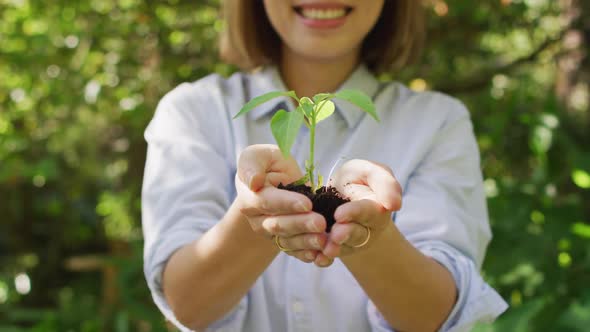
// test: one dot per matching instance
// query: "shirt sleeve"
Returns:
(186, 186)
(444, 215)
(477, 301)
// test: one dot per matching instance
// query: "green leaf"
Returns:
(320, 181)
(321, 97)
(303, 180)
(263, 99)
(326, 109)
(359, 99)
(285, 127)
(305, 100)
(306, 109)
(306, 106)
(581, 229)
(581, 178)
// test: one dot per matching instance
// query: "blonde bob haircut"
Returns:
(249, 40)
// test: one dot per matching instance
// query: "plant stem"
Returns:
(310, 170)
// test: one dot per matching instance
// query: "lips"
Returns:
(323, 15)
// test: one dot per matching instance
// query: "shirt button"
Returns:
(297, 307)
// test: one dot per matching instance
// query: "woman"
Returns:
(226, 250)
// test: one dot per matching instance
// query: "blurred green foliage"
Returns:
(79, 81)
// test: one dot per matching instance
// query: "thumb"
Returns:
(366, 178)
(254, 163)
(256, 181)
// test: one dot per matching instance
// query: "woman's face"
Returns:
(323, 29)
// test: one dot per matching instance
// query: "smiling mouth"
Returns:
(315, 13)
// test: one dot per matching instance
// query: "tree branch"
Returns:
(482, 79)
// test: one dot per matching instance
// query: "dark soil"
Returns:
(325, 200)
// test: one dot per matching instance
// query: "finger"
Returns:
(306, 256)
(275, 178)
(349, 234)
(332, 250)
(294, 224)
(342, 237)
(323, 261)
(355, 191)
(253, 164)
(310, 241)
(274, 201)
(363, 212)
(385, 186)
(378, 177)
(257, 160)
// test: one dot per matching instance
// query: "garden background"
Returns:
(79, 81)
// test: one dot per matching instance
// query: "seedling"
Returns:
(309, 111)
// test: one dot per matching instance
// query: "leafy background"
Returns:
(79, 80)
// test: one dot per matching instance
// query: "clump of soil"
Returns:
(325, 200)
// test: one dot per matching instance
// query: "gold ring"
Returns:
(283, 249)
(366, 240)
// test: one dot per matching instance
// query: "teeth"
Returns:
(323, 14)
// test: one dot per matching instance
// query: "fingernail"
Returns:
(343, 240)
(249, 178)
(315, 242)
(309, 255)
(313, 226)
(338, 215)
(300, 207)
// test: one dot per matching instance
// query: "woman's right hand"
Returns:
(275, 212)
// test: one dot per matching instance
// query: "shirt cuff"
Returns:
(376, 320)
(232, 321)
(477, 301)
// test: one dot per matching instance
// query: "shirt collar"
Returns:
(268, 79)
(265, 80)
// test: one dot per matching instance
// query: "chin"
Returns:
(323, 51)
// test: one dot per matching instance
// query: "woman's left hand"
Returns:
(374, 193)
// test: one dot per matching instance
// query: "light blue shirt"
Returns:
(426, 138)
